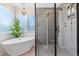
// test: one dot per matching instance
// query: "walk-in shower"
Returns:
(56, 38)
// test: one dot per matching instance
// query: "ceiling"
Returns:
(38, 5)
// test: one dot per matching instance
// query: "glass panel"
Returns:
(23, 22)
(5, 19)
(31, 23)
(67, 36)
(45, 29)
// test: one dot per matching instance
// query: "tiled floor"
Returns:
(30, 53)
(50, 51)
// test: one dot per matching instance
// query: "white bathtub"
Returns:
(18, 46)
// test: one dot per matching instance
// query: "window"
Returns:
(31, 23)
(23, 22)
(27, 23)
(5, 19)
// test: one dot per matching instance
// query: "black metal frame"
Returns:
(77, 29)
(55, 40)
(35, 32)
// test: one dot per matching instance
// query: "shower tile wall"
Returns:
(41, 26)
(41, 16)
(67, 35)
(51, 26)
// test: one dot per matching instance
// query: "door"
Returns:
(45, 29)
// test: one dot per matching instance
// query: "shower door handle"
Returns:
(57, 29)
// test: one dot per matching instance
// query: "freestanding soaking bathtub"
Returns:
(18, 46)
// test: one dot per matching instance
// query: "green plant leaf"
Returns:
(15, 28)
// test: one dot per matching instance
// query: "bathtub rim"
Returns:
(5, 42)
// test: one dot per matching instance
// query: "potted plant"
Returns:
(15, 28)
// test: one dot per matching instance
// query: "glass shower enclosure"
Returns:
(56, 29)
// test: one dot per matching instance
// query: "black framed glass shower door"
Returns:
(45, 37)
(51, 38)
